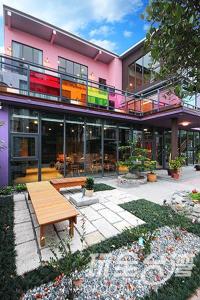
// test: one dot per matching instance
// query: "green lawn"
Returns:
(102, 187)
(11, 285)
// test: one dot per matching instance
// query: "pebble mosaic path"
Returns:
(102, 220)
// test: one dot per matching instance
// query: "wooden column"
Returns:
(174, 137)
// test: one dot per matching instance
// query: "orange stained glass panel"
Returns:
(74, 91)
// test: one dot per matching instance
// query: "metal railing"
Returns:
(23, 78)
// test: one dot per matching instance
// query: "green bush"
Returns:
(21, 187)
(195, 196)
(98, 187)
(6, 190)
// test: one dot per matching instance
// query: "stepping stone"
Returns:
(76, 243)
(19, 197)
(88, 227)
(114, 207)
(20, 205)
(97, 206)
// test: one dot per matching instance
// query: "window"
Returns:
(24, 121)
(23, 146)
(72, 68)
(27, 53)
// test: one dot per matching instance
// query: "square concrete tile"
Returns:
(122, 225)
(23, 232)
(20, 205)
(114, 207)
(130, 218)
(47, 254)
(19, 197)
(87, 227)
(90, 213)
(21, 216)
(94, 238)
(27, 258)
(105, 228)
(97, 206)
(110, 216)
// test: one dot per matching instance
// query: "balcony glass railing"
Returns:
(23, 78)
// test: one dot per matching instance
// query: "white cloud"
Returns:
(146, 27)
(103, 30)
(127, 33)
(106, 44)
(74, 15)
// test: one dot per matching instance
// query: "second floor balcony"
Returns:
(26, 79)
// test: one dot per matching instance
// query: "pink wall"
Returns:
(111, 72)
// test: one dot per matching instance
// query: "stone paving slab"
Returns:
(105, 228)
(21, 216)
(122, 225)
(134, 221)
(101, 220)
(23, 232)
(27, 258)
(94, 238)
(21, 205)
(90, 213)
(110, 216)
(19, 197)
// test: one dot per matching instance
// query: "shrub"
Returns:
(6, 190)
(89, 185)
(21, 187)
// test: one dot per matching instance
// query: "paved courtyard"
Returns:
(102, 220)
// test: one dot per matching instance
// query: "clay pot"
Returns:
(151, 177)
(89, 193)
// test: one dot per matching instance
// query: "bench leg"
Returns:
(42, 237)
(71, 228)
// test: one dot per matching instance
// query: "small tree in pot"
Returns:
(175, 165)
(151, 166)
(89, 187)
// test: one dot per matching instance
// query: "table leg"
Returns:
(42, 237)
(71, 228)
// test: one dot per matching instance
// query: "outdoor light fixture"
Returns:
(49, 129)
(185, 123)
(61, 124)
(145, 129)
(35, 122)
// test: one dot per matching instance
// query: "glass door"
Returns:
(110, 150)
(52, 148)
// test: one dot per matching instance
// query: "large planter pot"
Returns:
(89, 193)
(175, 174)
(122, 169)
(151, 177)
(197, 167)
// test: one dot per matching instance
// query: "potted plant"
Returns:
(89, 187)
(6, 193)
(151, 176)
(175, 165)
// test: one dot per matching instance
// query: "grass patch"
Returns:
(98, 187)
(195, 196)
(12, 286)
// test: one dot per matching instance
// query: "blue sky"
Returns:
(113, 24)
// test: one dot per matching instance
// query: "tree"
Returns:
(174, 41)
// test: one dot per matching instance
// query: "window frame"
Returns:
(82, 76)
(22, 52)
(19, 158)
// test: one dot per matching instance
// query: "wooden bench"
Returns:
(50, 207)
(68, 182)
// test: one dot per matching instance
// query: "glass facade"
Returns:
(27, 53)
(46, 146)
(141, 73)
(72, 68)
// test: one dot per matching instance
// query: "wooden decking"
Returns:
(68, 182)
(50, 207)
